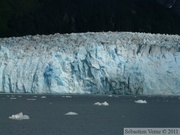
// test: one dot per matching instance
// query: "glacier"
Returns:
(123, 63)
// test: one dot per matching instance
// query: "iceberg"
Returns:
(71, 113)
(43, 97)
(122, 63)
(98, 104)
(102, 104)
(31, 99)
(19, 116)
(141, 101)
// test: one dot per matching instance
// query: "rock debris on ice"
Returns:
(123, 63)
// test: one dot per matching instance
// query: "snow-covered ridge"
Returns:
(85, 63)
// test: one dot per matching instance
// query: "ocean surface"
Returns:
(47, 114)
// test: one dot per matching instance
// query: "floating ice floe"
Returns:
(19, 116)
(31, 99)
(13, 98)
(71, 113)
(43, 97)
(97, 103)
(67, 96)
(141, 101)
(101, 104)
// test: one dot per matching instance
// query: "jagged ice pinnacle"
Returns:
(91, 63)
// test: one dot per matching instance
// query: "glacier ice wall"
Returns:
(91, 63)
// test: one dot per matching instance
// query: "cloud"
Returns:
(19, 116)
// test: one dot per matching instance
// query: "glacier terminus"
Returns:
(123, 63)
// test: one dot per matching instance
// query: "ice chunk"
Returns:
(19, 116)
(105, 103)
(67, 96)
(13, 98)
(43, 97)
(141, 101)
(30, 99)
(71, 113)
(102, 104)
(97, 103)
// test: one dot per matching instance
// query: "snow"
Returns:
(91, 63)
(141, 101)
(101, 104)
(71, 113)
(19, 116)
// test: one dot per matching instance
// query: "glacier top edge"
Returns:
(69, 43)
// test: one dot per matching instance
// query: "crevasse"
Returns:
(91, 63)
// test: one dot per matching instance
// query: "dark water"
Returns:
(47, 115)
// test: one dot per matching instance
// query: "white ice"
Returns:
(43, 97)
(91, 63)
(71, 113)
(19, 116)
(141, 101)
(67, 96)
(12, 98)
(102, 104)
(31, 99)
(98, 103)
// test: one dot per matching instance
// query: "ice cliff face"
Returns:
(97, 63)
